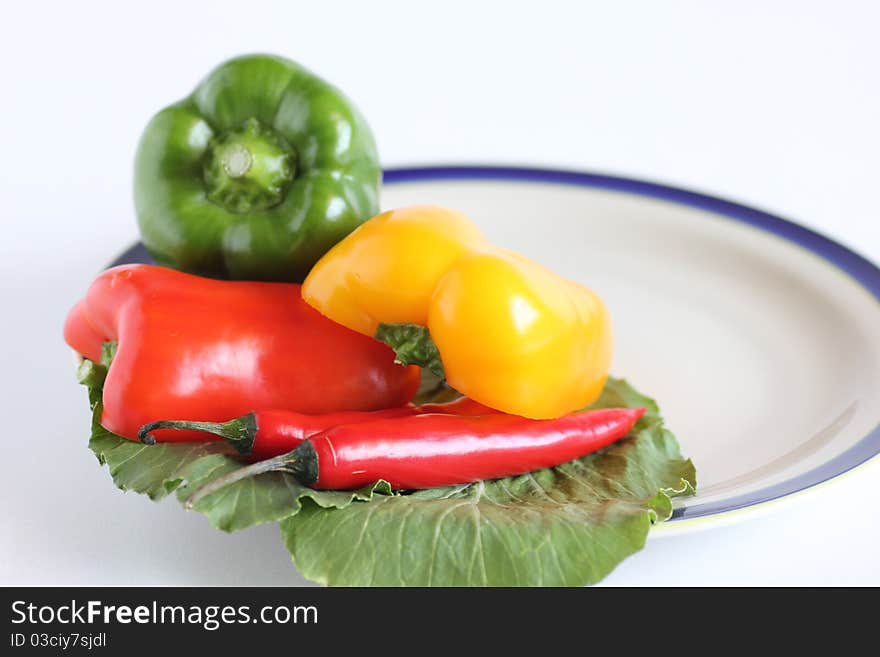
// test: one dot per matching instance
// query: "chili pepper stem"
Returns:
(301, 462)
(240, 432)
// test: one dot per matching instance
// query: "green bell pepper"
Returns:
(256, 174)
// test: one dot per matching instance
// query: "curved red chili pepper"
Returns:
(264, 434)
(424, 451)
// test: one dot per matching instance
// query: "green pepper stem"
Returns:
(240, 432)
(301, 462)
(284, 463)
(248, 168)
(237, 160)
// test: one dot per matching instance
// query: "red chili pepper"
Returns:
(424, 451)
(212, 350)
(264, 434)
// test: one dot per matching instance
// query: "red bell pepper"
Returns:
(213, 350)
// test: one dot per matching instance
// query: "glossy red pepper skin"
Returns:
(211, 350)
(426, 451)
(264, 434)
(278, 432)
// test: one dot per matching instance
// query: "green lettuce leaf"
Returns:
(568, 525)
(157, 470)
(433, 389)
(564, 526)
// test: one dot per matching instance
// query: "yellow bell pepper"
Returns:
(511, 334)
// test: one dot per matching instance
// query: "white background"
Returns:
(772, 104)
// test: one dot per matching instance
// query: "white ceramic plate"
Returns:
(759, 338)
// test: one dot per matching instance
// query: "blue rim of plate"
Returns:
(861, 270)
